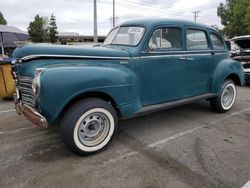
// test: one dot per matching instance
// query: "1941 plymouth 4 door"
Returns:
(142, 66)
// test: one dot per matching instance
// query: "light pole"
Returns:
(113, 13)
(95, 23)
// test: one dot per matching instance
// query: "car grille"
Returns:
(26, 93)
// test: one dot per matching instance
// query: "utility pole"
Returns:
(196, 15)
(113, 13)
(95, 23)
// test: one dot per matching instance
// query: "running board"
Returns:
(154, 108)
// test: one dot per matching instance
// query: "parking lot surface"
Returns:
(187, 146)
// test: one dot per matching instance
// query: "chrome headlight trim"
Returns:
(36, 83)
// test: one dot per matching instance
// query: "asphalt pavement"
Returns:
(187, 146)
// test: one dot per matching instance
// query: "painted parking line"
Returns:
(181, 134)
(16, 131)
(247, 185)
(165, 140)
(6, 111)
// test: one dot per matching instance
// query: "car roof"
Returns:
(152, 22)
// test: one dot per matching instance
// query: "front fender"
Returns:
(224, 69)
(59, 85)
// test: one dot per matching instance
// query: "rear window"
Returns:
(217, 42)
(196, 39)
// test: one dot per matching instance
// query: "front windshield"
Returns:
(129, 36)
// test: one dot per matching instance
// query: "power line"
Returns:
(153, 9)
(136, 5)
(167, 11)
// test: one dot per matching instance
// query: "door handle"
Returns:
(186, 58)
(182, 58)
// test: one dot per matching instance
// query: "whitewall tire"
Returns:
(88, 126)
(226, 98)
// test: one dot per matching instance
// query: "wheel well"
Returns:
(99, 95)
(235, 78)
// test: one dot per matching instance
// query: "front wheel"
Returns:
(88, 126)
(226, 99)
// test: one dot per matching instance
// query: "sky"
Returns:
(77, 15)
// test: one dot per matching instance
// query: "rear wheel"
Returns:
(226, 99)
(88, 126)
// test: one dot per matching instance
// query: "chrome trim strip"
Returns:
(158, 107)
(136, 58)
(173, 55)
(221, 53)
(26, 93)
(25, 78)
(183, 51)
(29, 57)
(242, 57)
(247, 70)
(124, 62)
(180, 54)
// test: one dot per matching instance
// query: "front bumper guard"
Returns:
(31, 114)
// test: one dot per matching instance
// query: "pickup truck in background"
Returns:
(241, 53)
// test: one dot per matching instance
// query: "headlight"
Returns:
(36, 83)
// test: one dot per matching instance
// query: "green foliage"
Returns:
(2, 19)
(38, 29)
(235, 16)
(53, 29)
(43, 30)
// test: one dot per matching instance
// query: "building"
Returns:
(66, 37)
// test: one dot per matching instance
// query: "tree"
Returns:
(235, 16)
(2, 19)
(53, 29)
(38, 29)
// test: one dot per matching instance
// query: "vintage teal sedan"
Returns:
(142, 66)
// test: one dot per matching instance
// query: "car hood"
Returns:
(242, 41)
(42, 50)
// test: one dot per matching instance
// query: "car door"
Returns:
(162, 75)
(219, 48)
(198, 62)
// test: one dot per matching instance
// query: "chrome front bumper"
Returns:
(30, 113)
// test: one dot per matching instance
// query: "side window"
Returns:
(217, 42)
(166, 38)
(196, 40)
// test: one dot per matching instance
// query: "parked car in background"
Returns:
(142, 66)
(241, 53)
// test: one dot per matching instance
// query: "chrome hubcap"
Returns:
(228, 96)
(93, 129)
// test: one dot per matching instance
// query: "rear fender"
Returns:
(227, 69)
